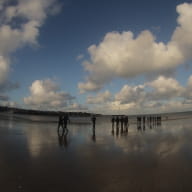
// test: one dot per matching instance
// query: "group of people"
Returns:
(149, 120)
(120, 120)
(123, 120)
(63, 132)
(63, 121)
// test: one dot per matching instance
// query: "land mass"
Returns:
(15, 110)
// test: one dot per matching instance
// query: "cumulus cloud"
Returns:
(129, 94)
(188, 90)
(99, 98)
(19, 26)
(124, 55)
(77, 107)
(4, 69)
(164, 88)
(45, 94)
(160, 95)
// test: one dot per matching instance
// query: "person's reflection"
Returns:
(150, 126)
(143, 120)
(126, 121)
(127, 128)
(122, 131)
(117, 130)
(122, 122)
(143, 127)
(113, 132)
(93, 119)
(93, 135)
(139, 127)
(117, 121)
(62, 137)
(159, 121)
(139, 123)
(117, 125)
(113, 122)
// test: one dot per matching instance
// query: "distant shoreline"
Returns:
(13, 110)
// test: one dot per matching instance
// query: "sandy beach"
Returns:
(34, 157)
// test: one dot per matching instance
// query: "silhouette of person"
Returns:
(93, 119)
(159, 120)
(94, 135)
(143, 120)
(122, 122)
(65, 120)
(113, 121)
(126, 121)
(138, 120)
(117, 121)
(60, 121)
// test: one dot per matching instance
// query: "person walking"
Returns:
(60, 121)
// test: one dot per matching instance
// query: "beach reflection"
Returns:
(111, 157)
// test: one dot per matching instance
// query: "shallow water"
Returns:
(34, 157)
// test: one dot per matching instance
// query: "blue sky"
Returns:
(50, 59)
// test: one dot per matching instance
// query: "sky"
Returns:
(105, 56)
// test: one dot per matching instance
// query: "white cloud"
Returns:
(160, 95)
(88, 86)
(164, 88)
(80, 57)
(45, 94)
(99, 98)
(4, 69)
(188, 91)
(77, 107)
(182, 35)
(129, 94)
(35, 10)
(122, 55)
(19, 26)
(159, 89)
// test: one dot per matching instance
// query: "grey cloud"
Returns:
(8, 86)
(4, 98)
(99, 98)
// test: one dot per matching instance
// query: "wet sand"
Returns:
(33, 157)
